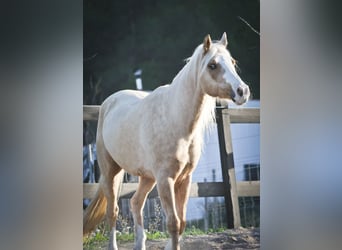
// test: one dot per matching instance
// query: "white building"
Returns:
(246, 150)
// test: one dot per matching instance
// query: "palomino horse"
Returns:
(158, 137)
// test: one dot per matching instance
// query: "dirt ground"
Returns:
(241, 238)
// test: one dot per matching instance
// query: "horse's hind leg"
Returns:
(113, 188)
(111, 179)
(137, 204)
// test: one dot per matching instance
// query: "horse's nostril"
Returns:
(240, 91)
(247, 91)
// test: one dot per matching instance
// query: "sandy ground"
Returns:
(241, 238)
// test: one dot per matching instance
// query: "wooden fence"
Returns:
(229, 188)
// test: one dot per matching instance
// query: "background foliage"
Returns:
(122, 36)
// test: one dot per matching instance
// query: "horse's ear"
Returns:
(224, 40)
(206, 43)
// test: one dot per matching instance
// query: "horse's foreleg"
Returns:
(137, 204)
(167, 196)
(182, 192)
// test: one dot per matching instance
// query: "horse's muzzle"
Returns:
(242, 95)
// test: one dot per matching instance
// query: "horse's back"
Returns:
(122, 98)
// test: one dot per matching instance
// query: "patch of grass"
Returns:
(193, 231)
(156, 235)
(127, 237)
(93, 242)
(216, 230)
(124, 237)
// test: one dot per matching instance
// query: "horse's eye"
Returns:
(212, 66)
(233, 61)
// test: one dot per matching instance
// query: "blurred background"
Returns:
(120, 37)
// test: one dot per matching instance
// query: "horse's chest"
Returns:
(186, 152)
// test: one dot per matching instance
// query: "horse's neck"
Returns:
(191, 107)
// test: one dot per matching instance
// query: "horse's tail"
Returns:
(95, 212)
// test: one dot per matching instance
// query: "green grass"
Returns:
(193, 231)
(127, 237)
(102, 237)
(217, 230)
(124, 237)
(93, 242)
(156, 235)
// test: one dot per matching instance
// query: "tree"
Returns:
(121, 36)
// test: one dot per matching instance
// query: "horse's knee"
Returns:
(182, 226)
(136, 210)
(173, 225)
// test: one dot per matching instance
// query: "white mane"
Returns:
(195, 64)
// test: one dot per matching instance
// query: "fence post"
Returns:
(227, 166)
(206, 217)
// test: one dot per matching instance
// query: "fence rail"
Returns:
(199, 189)
(241, 115)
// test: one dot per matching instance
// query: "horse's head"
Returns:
(218, 76)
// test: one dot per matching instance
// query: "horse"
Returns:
(159, 137)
